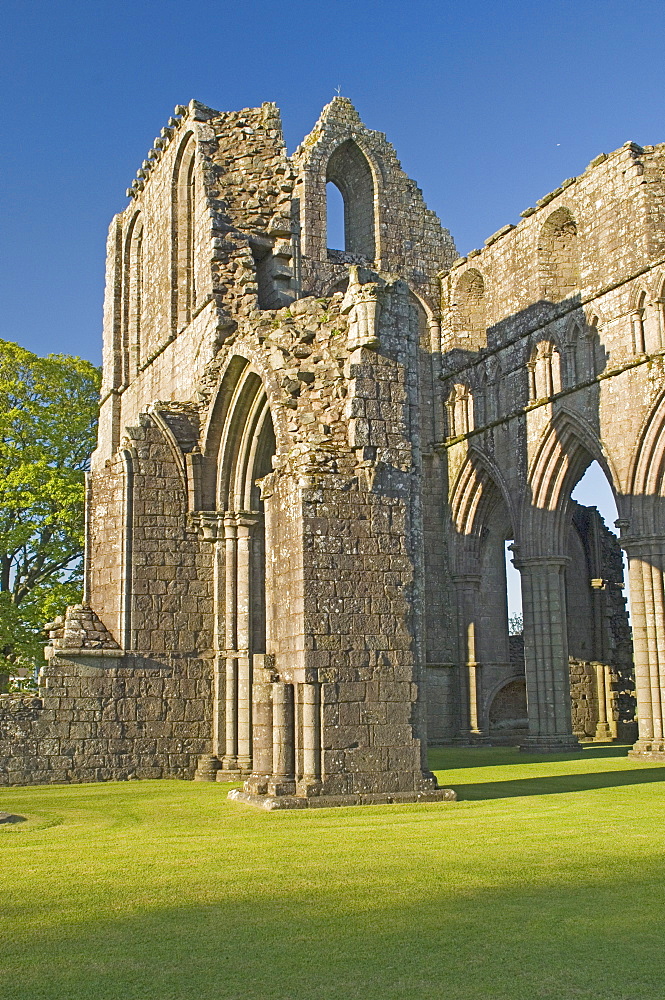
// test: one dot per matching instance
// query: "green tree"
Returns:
(48, 420)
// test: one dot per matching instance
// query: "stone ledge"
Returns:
(87, 651)
(270, 802)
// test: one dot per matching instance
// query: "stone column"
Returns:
(283, 729)
(546, 654)
(468, 587)
(637, 328)
(230, 759)
(660, 313)
(211, 527)
(270, 547)
(262, 729)
(219, 643)
(310, 782)
(603, 729)
(645, 571)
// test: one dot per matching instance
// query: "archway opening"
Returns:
(598, 625)
(508, 716)
(593, 490)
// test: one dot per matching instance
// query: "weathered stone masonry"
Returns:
(309, 461)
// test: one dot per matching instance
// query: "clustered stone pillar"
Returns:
(546, 654)
(230, 758)
(468, 590)
(237, 757)
(243, 637)
(212, 529)
(286, 733)
(646, 560)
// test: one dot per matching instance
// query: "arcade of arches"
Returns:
(311, 461)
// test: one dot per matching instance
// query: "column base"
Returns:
(472, 739)
(308, 787)
(603, 732)
(648, 750)
(272, 801)
(257, 784)
(231, 774)
(281, 787)
(550, 744)
(207, 767)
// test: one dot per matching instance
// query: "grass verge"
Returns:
(546, 880)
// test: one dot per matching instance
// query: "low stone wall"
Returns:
(103, 718)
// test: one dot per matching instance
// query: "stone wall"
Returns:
(102, 718)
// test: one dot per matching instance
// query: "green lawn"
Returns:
(546, 880)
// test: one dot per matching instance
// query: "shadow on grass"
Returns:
(445, 758)
(305, 945)
(555, 784)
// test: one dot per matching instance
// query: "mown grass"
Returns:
(546, 880)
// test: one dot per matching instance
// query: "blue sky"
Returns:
(489, 105)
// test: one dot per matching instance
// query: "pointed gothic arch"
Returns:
(647, 474)
(566, 449)
(482, 519)
(239, 442)
(478, 488)
(349, 169)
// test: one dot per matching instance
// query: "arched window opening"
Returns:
(349, 171)
(184, 204)
(459, 409)
(132, 300)
(582, 353)
(336, 236)
(544, 371)
(559, 256)
(470, 303)
(135, 333)
(592, 349)
(573, 366)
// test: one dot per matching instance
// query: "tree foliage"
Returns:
(48, 419)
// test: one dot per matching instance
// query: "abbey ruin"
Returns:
(310, 460)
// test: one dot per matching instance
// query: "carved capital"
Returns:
(362, 303)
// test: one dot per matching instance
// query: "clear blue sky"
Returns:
(489, 105)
